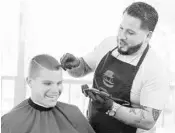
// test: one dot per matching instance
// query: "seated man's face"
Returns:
(47, 87)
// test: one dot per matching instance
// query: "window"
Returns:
(57, 27)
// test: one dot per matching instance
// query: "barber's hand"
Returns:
(69, 61)
(102, 104)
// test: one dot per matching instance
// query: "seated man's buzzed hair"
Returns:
(40, 62)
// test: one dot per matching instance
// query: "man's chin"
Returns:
(123, 51)
(53, 104)
(129, 51)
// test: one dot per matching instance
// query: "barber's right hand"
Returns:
(69, 61)
(101, 104)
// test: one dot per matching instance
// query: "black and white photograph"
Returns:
(87, 66)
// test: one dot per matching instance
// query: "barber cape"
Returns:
(29, 117)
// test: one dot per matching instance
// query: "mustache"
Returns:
(130, 50)
(121, 40)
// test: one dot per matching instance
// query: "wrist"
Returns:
(113, 110)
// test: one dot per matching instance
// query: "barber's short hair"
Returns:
(40, 62)
(145, 12)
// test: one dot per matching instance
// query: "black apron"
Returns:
(116, 77)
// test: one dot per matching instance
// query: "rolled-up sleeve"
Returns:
(156, 90)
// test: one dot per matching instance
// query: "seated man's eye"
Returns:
(47, 83)
(131, 33)
(121, 28)
(59, 83)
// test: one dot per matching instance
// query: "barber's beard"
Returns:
(130, 50)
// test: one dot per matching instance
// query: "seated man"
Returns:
(42, 113)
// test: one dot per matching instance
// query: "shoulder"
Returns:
(67, 106)
(14, 114)
(105, 46)
(155, 64)
(152, 56)
(110, 39)
(94, 57)
(72, 111)
(155, 70)
(108, 43)
(74, 114)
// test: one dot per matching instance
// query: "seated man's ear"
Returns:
(149, 35)
(29, 81)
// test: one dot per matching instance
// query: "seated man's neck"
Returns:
(35, 101)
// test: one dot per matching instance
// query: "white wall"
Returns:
(56, 27)
(76, 26)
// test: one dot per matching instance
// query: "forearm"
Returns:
(80, 71)
(142, 117)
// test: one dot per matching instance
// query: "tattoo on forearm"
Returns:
(132, 110)
(87, 69)
(142, 115)
(143, 108)
(156, 113)
(140, 112)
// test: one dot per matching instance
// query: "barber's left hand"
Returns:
(102, 104)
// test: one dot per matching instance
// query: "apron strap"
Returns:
(113, 49)
(106, 57)
(142, 57)
(138, 64)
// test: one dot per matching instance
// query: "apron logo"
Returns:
(108, 78)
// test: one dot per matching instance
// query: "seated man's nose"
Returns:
(55, 92)
(55, 89)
